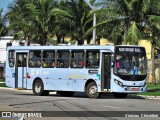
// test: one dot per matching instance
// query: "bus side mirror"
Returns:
(112, 61)
(112, 65)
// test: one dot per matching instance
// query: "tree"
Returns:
(80, 22)
(129, 19)
(153, 26)
(3, 28)
(34, 19)
(42, 14)
(62, 27)
(19, 22)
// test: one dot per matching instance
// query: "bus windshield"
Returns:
(130, 61)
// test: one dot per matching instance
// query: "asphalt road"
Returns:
(78, 107)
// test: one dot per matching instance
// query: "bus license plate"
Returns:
(134, 89)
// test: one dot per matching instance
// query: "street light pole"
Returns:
(94, 21)
(94, 30)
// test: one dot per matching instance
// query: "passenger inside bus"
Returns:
(48, 60)
(35, 61)
(118, 61)
(77, 59)
(81, 64)
(122, 62)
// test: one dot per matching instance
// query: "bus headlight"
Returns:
(118, 83)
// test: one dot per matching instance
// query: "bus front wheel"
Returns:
(92, 90)
(38, 88)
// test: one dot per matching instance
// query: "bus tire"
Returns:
(38, 88)
(120, 95)
(66, 93)
(92, 90)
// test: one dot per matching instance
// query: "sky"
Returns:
(4, 4)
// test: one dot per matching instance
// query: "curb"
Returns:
(150, 97)
(2, 82)
(7, 88)
(13, 88)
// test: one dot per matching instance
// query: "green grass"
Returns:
(151, 87)
(150, 93)
(152, 90)
(2, 84)
(1, 80)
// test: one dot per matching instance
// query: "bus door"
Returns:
(21, 70)
(106, 72)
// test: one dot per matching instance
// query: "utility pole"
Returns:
(94, 20)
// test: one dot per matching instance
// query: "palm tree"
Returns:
(3, 28)
(42, 14)
(34, 19)
(80, 22)
(18, 20)
(130, 19)
(62, 25)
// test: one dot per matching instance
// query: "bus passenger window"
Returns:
(77, 59)
(35, 58)
(62, 59)
(11, 58)
(92, 59)
(48, 59)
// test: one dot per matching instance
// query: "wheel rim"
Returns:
(93, 90)
(38, 88)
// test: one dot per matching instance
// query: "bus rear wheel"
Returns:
(38, 88)
(120, 95)
(92, 90)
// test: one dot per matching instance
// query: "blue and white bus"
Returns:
(67, 69)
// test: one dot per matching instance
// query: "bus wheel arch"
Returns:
(91, 89)
(38, 87)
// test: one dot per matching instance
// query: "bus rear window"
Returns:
(11, 58)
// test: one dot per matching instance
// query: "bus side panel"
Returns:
(53, 78)
(56, 79)
(76, 77)
(65, 79)
(9, 74)
(10, 77)
(31, 76)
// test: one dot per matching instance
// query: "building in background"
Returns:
(4, 42)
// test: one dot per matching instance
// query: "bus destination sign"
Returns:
(127, 49)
